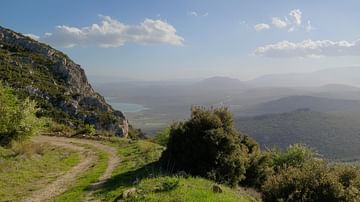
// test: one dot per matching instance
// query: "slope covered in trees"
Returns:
(332, 135)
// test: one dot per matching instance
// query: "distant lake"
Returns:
(125, 107)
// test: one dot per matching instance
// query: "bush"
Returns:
(299, 175)
(312, 182)
(259, 169)
(18, 120)
(58, 128)
(162, 137)
(295, 155)
(208, 145)
(88, 129)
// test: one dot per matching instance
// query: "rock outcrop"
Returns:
(59, 84)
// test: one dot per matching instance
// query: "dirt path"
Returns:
(88, 159)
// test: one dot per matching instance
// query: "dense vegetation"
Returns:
(18, 119)
(333, 135)
(26, 71)
(208, 145)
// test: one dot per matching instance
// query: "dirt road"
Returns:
(88, 159)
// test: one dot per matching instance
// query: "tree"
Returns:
(18, 120)
(208, 145)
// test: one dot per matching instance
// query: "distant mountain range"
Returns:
(291, 103)
(344, 75)
(332, 135)
(220, 83)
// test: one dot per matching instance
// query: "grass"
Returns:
(25, 169)
(80, 188)
(183, 189)
(138, 170)
(28, 167)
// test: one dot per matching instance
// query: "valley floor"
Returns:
(69, 169)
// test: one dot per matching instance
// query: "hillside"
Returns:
(343, 75)
(333, 136)
(59, 85)
(291, 103)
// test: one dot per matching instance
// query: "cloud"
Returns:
(310, 48)
(261, 26)
(33, 36)
(296, 15)
(277, 22)
(112, 33)
(293, 22)
(309, 27)
(193, 13)
(197, 14)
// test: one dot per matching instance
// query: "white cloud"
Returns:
(296, 15)
(197, 14)
(193, 13)
(261, 26)
(112, 33)
(309, 27)
(310, 48)
(277, 22)
(293, 21)
(33, 36)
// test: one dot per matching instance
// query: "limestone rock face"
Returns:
(47, 68)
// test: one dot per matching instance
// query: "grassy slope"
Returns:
(21, 174)
(29, 167)
(137, 170)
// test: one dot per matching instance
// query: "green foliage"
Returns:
(89, 129)
(208, 145)
(36, 75)
(311, 182)
(162, 137)
(58, 128)
(259, 169)
(295, 155)
(135, 133)
(299, 175)
(18, 119)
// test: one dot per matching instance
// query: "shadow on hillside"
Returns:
(130, 178)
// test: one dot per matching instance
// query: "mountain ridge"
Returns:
(58, 84)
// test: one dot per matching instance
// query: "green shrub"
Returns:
(299, 175)
(162, 137)
(18, 120)
(135, 133)
(259, 169)
(55, 127)
(295, 155)
(311, 182)
(88, 129)
(208, 145)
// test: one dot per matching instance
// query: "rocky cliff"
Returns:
(58, 84)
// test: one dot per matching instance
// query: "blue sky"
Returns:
(162, 39)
